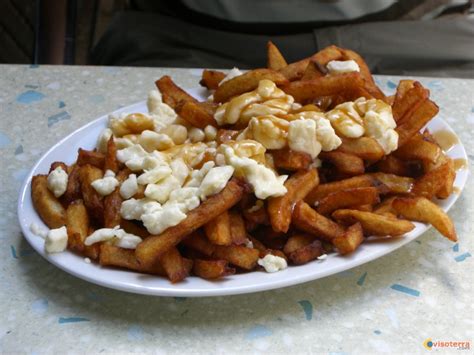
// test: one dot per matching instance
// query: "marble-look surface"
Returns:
(45, 310)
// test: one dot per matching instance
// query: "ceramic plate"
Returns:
(86, 137)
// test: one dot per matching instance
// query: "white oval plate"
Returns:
(86, 137)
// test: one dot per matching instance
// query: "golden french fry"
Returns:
(418, 149)
(393, 165)
(218, 230)
(297, 241)
(77, 224)
(288, 159)
(246, 82)
(92, 200)
(174, 265)
(363, 147)
(237, 228)
(302, 248)
(415, 120)
(275, 59)
(385, 206)
(410, 95)
(93, 158)
(313, 70)
(198, 241)
(308, 220)
(73, 190)
(348, 198)
(171, 93)
(447, 188)
(374, 224)
(394, 183)
(48, 207)
(133, 228)
(211, 78)
(423, 210)
(351, 239)
(238, 255)
(111, 162)
(345, 163)
(112, 204)
(212, 269)
(195, 114)
(298, 186)
(433, 181)
(156, 245)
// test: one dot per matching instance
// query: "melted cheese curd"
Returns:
(176, 166)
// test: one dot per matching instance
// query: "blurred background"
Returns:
(418, 37)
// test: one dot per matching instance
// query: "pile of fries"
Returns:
(356, 192)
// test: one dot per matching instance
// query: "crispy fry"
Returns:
(73, 190)
(447, 189)
(433, 181)
(275, 59)
(246, 82)
(156, 245)
(218, 230)
(198, 241)
(237, 228)
(363, 147)
(393, 165)
(308, 220)
(423, 210)
(211, 78)
(323, 190)
(304, 91)
(297, 241)
(351, 239)
(393, 183)
(409, 101)
(257, 244)
(313, 70)
(92, 200)
(93, 158)
(48, 207)
(348, 198)
(111, 162)
(174, 265)
(238, 255)
(133, 228)
(290, 160)
(112, 205)
(307, 253)
(195, 114)
(345, 163)
(212, 269)
(77, 224)
(414, 121)
(280, 208)
(374, 224)
(418, 149)
(171, 93)
(385, 206)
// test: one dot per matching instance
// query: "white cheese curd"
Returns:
(107, 184)
(38, 230)
(269, 130)
(198, 175)
(103, 140)
(161, 190)
(302, 137)
(346, 120)
(210, 133)
(186, 197)
(342, 66)
(230, 75)
(57, 181)
(101, 235)
(263, 180)
(127, 240)
(162, 114)
(220, 159)
(122, 143)
(129, 187)
(322, 257)
(273, 263)
(196, 135)
(179, 170)
(156, 220)
(119, 237)
(154, 175)
(215, 181)
(151, 141)
(87, 260)
(56, 240)
(133, 208)
(132, 157)
(178, 133)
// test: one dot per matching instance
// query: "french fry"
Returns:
(393, 165)
(237, 228)
(307, 253)
(212, 269)
(238, 255)
(195, 114)
(308, 220)
(92, 200)
(363, 147)
(345, 163)
(110, 255)
(374, 224)
(304, 91)
(386, 206)
(218, 230)
(297, 241)
(322, 190)
(73, 190)
(433, 181)
(447, 189)
(313, 70)
(348, 198)
(270, 238)
(171, 93)
(394, 183)
(298, 186)
(46, 204)
(77, 224)
(174, 265)
(275, 59)
(112, 204)
(133, 228)
(156, 245)
(257, 244)
(351, 239)
(415, 120)
(111, 162)
(198, 241)
(423, 210)
(246, 82)
(93, 158)
(407, 102)
(418, 149)
(291, 160)
(403, 87)
(210, 79)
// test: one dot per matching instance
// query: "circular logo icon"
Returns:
(428, 344)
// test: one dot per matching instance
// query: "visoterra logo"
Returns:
(429, 344)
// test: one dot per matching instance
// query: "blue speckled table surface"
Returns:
(391, 305)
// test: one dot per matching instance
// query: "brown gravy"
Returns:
(445, 139)
(460, 164)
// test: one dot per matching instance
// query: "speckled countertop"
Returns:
(45, 310)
